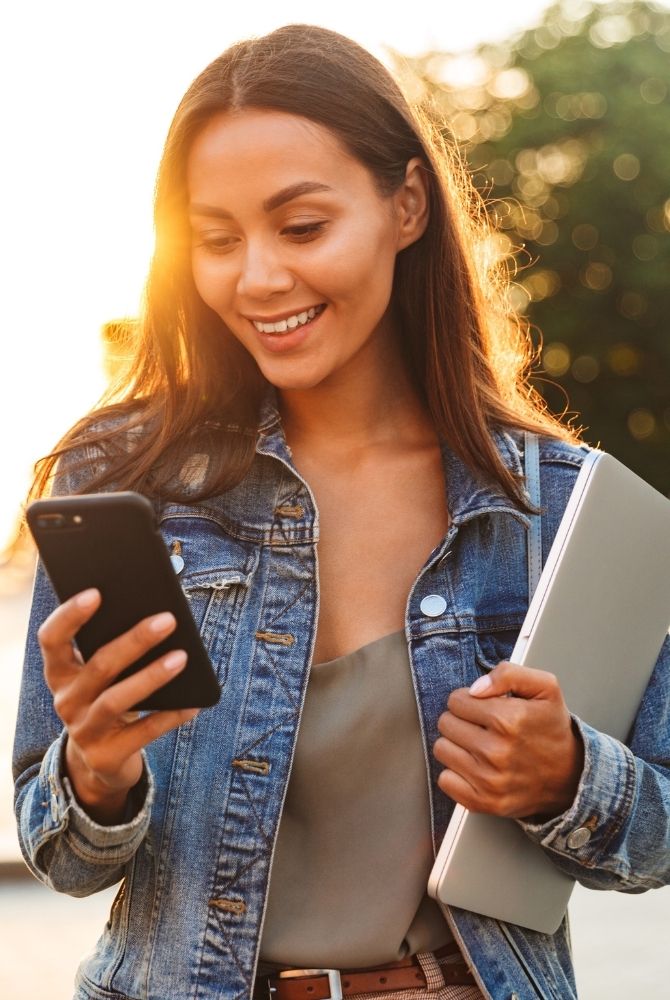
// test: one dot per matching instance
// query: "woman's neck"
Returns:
(362, 411)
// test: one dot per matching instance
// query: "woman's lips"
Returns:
(289, 321)
(286, 340)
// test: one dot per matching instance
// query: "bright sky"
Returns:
(89, 90)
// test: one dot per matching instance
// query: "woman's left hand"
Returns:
(515, 756)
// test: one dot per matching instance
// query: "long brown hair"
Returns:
(468, 353)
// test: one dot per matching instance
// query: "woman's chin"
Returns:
(293, 378)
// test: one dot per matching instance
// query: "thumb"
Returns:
(512, 679)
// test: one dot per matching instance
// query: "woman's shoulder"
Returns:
(136, 448)
(560, 461)
(92, 446)
(560, 452)
(560, 464)
(554, 452)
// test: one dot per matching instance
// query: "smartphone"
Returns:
(111, 541)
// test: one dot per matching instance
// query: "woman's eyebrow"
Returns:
(270, 204)
(291, 192)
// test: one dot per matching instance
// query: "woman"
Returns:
(321, 360)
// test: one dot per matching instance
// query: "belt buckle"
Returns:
(334, 980)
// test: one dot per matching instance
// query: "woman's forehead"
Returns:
(258, 153)
(244, 122)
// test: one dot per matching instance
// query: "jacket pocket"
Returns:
(495, 644)
(216, 598)
(86, 990)
(215, 572)
(207, 590)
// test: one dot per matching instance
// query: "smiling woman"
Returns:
(327, 408)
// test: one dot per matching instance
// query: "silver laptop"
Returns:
(597, 620)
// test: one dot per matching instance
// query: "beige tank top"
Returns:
(348, 882)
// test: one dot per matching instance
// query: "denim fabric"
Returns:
(195, 860)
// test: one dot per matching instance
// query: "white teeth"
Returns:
(290, 323)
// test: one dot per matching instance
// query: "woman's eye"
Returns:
(215, 244)
(304, 232)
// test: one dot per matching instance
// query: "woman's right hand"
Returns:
(105, 737)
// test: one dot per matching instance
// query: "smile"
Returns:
(290, 322)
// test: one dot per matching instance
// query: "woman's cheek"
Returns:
(212, 281)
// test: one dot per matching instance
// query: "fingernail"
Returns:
(87, 598)
(481, 684)
(161, 622)
(174, 660)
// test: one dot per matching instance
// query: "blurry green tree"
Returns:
(566, 131)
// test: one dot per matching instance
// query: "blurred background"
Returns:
(563, 115)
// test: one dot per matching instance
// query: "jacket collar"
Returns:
(269, 417)
(468, 494)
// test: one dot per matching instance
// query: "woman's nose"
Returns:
(263, 273)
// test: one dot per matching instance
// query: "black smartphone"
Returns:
(111, 541)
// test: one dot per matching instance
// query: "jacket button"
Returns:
(433, 606)
(578, 837)
(177, 563)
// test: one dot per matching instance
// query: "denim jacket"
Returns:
(194, 859)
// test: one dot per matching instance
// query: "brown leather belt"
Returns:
(330, 984)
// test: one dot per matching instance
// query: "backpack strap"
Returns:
(532, 470)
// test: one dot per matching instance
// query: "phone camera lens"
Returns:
(51, 521)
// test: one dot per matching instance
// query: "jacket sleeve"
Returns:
(616, 834)
(61, 844)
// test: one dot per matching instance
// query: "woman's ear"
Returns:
(412, 204)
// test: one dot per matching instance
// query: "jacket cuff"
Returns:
(88, 839)
(602, 803)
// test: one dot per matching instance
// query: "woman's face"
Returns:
(293, 246)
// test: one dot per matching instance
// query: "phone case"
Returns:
(111, 541)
